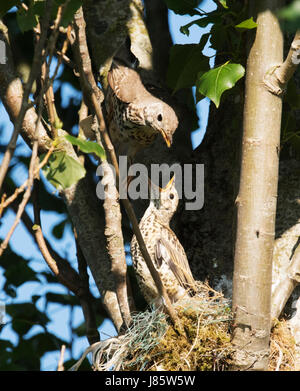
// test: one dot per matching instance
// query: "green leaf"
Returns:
(247, 24)
(62, 170)
(214, 82)
(183, 7)
(213, 17)
(87, 146)
(6, 5)
(291, 16)
(186, 61)
(26, 19)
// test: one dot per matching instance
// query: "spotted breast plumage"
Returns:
(165, 250)
(135, 116)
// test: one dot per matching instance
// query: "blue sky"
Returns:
(23, 244)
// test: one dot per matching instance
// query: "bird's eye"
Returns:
(159, 117)
(171, 196)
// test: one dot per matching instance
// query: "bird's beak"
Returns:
(167, 139)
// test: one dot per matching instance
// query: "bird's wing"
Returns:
(177, 262)
(125, 82)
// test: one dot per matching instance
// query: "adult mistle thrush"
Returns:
(135, 116)
(165, 250)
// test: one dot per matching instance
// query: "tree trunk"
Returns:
(256, 201)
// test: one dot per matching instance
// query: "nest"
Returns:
(152, 343)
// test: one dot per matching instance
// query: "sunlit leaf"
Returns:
(62, 170)
(213, 17)
(214, 82)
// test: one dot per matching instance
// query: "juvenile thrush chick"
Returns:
(135, 116)
(165, 250)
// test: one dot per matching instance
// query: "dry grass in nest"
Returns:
(152, 344)
(282, 348)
